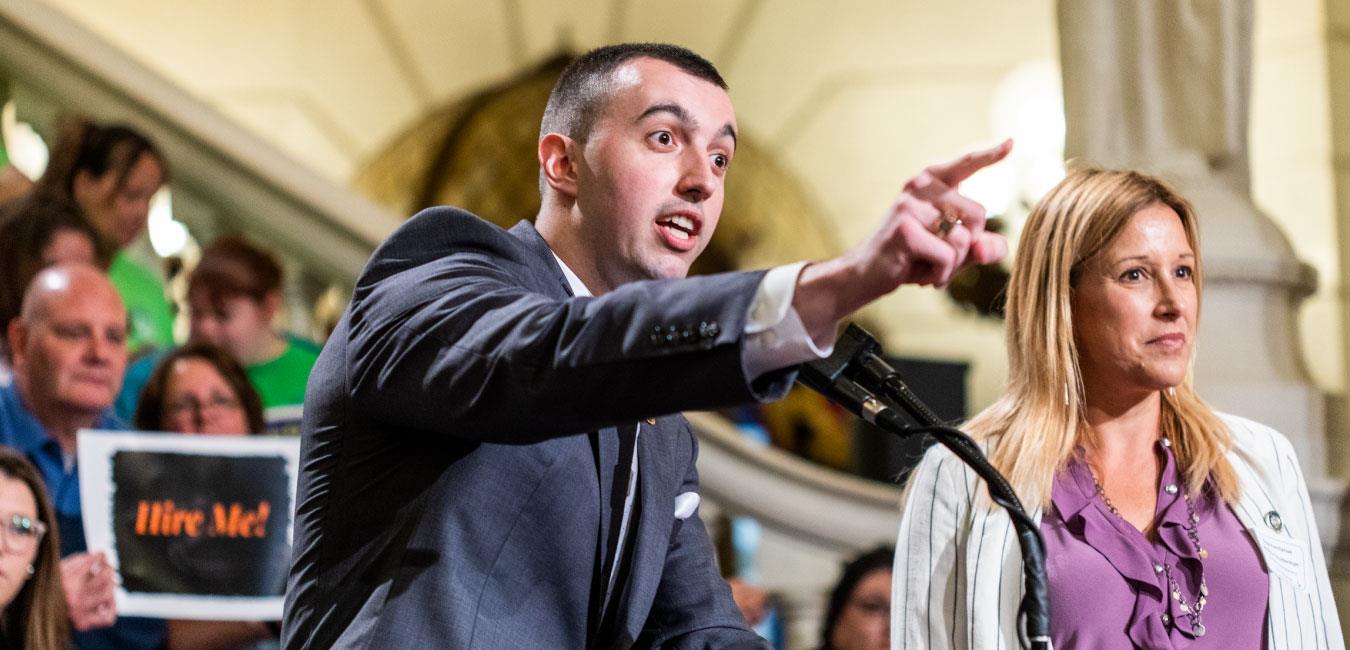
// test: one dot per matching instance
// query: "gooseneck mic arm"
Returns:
(857, 378)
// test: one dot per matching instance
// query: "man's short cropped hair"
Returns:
(585, 84)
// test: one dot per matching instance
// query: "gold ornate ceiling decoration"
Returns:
(478, 153)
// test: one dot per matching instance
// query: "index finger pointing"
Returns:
(960, 169)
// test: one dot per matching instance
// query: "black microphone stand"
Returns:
(854, 375)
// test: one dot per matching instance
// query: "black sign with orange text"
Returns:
(197, 526)
(191, 524)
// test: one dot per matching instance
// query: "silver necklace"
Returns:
(1192, 528)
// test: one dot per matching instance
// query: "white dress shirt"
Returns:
(775, 338)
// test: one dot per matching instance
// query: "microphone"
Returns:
(831, 376)
(854, 375)
(856, 371)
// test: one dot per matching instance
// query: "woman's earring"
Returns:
(1172, 392)
(1066, 393)
(31, 569)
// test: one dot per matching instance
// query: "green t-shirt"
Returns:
(149, 317)
(281, 381)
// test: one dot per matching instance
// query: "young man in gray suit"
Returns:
(492, 454)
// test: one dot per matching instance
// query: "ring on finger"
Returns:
(948, 222)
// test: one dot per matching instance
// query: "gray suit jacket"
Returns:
(453, 489)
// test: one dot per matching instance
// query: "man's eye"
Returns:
(663, 138)
(721, 161)
(69, 331)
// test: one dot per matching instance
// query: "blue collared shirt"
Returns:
(20, 429)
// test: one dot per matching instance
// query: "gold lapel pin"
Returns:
(651, 421)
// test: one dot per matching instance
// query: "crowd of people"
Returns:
(88, 344)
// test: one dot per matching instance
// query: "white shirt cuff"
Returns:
(775, 335)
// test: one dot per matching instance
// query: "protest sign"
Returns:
(196, 526)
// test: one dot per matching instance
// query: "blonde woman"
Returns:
(1167, 525)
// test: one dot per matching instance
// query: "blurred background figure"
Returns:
(34, 235)
(234, 297)
(69, 352)
(13, 185)
(111, 173)
(199, 388)
(858, 616)
(30, 575)
(752, 600)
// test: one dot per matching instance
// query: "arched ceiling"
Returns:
(331, 82)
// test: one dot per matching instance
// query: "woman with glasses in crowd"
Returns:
(857, 616)
(200, 389)
(30, 571)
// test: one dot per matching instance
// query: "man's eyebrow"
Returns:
(686, 119)
(729, 130)
(674, 109)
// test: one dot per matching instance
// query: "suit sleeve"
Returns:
(461, 342)
(693, 608)
(924, 607)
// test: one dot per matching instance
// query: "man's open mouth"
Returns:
(680, 231)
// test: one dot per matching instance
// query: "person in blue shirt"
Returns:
(69, 349)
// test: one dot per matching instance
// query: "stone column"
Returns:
(1338, 68)
(1162, 85)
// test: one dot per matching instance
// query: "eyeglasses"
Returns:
(21, 533)
(872, 606)
(190, 405)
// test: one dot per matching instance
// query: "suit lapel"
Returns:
(651, 536)
(547, 274)
(548, 278)
(649, 528)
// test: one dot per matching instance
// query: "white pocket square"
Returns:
(686, 504)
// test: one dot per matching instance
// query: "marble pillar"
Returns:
(1163, 86)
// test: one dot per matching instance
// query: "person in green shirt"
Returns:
(111, 172)
(234, 297)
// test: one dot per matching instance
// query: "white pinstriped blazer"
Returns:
(958, 567)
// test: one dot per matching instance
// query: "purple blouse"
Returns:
(1109, 583)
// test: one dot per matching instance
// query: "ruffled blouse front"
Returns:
(1109, 583)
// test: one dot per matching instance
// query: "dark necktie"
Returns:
(620, 531)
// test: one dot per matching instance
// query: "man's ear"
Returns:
(16, 335)
(557, 164)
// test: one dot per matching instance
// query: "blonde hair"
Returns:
(1034, 429)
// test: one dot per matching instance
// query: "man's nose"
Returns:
(99, 349)
(697, 181)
